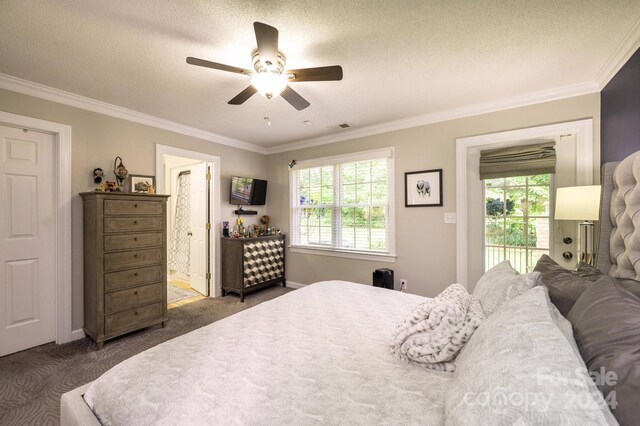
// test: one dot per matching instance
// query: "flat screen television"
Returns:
(248, 191)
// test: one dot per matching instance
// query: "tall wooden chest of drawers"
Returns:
(125, 263)
(250, 264)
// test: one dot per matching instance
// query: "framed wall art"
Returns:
(423, 188)
(143, 184)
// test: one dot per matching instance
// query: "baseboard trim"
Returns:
(78, 334)
(292, 284)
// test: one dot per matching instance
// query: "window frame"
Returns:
(388, 255)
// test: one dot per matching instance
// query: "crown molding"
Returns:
(41, 91)
(625, 50)
(29, 88)
(452, 114)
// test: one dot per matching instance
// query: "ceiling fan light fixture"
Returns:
(269, 84)
(270, 78)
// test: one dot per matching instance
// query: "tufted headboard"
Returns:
(619, 238)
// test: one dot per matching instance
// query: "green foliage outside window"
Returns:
(359, 202)
(526, 198)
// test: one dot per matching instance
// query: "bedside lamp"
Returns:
(580, 203)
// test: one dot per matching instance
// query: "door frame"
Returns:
(470, 146)
(62, 208)
(215, 290)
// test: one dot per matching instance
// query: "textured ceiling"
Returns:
(400, 58)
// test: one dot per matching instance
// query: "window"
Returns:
(517, 225)
(342, 204)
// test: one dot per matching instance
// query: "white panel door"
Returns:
(27, 240)
(198, 209)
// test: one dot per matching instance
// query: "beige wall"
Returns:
(97, 139)
(426, 247)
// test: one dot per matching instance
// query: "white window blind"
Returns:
(343, 203)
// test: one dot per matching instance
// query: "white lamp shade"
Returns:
(578, 203)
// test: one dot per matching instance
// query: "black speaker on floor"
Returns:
(383, 278)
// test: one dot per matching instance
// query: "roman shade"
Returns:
(520, 160)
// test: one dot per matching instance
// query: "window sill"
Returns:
(344, 254)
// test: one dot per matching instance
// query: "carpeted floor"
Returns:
(32, 381)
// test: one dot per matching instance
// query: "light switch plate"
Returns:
(449, 218)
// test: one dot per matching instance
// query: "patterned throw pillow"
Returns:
(501, 284)
(519, 369)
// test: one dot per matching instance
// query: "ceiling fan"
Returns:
(270, 78)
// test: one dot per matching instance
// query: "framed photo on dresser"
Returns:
(143, 184)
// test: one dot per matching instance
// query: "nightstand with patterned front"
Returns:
(250, 264)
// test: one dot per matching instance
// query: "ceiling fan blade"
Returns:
(330, 73)
(243, 96)
(217, 66)
(294, 98)
(267, 38)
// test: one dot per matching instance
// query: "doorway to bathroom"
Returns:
(189, 180)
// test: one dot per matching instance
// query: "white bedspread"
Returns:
(318, 355)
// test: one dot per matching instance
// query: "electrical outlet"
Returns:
(449, 218)
(403, 284)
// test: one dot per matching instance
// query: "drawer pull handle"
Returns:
(136, 313)
(135, 238)
(135, 222)
(135, 274)
(135, 206)
(135, 293)
(135, 255)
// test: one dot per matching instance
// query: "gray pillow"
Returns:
(565, 286)
(501, 284)
(606, 321)
(590, 273)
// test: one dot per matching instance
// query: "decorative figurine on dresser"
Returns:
(250, 264)
(125, 263)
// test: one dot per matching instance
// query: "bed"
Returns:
(299, 358)
(320, 355)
